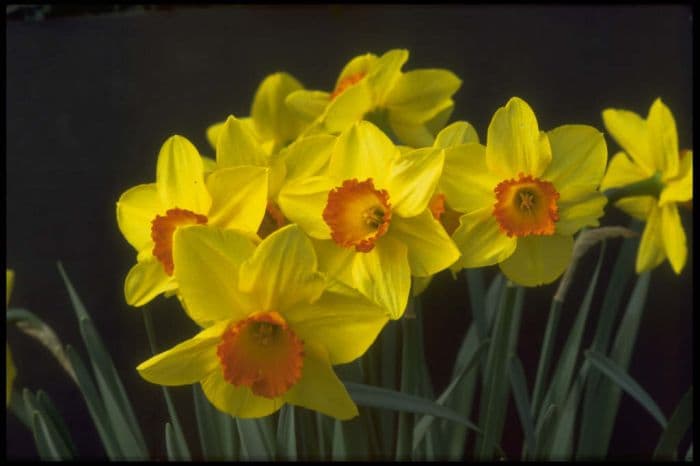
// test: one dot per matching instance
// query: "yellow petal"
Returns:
(585, 210)
(466, 181)
(307, 156)
(237, 401)
(663, 139)
(673, 237)
(384, 275)
(680, 188)
(209, 165)
(272, 119)
(303, 200)
(361, 152)
(239, 145)
(207, 262)
(651, 247)
(319, 388)
(579, 155)
(186, 363)
(345, 325)
(213, 133)
(430, 249)
(538, 260)
(459, 132)
(348, 107)
(480, 239)
(360, 64)
(622, 171)
(419, 95)
(10, 374)
(630, 131)
(334, 261)
(282, 271)
(411, 133)
(386, 70)
(180, 176)
(514, 143)
(145, 281)
(136, 209)
(239, 197)
(637, 206)
(420, 284)
(308, 105)
(413, 179)
(9, 284)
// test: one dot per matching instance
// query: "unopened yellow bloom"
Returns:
(651, 149)
(525, 194)
(272, 331)
(369, 215)
(149, 214)
(415, 102)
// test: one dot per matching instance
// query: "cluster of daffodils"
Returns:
(323, 211)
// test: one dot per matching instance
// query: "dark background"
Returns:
(91, 98)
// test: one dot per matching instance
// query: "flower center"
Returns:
(162, 229)
(448, 218)
(263, 353)
(347, 82)
(273, 220)
(357, 214)
(527, 206)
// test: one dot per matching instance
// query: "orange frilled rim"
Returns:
(358, 214)
(526, 206)
(261, 352)
(162, 229)
(347, 82)
(272, 221)
(448, 218)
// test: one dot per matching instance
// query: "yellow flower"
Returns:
(369, 215)
(271, 122)
(525, 194)
(10, 371)
(272, 334)
(149, 214)
(416, 102)
(651, 150)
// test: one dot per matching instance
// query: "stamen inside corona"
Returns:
(273, 220)
(263, 353)
(162, 229)
(347, 82)
(357, 214)
(526, 206)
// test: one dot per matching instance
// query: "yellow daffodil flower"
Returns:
(525, 194)
(415, 103)
(272, 333)
(271, 122)
(369, 215)
(149, 214)
(10, 371)
(651, 152)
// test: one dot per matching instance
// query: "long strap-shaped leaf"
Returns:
(48, 440)
(681, 420)
(627, 383)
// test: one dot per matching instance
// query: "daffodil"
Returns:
(272, 331)
(10, 371)
(651, 153)
(414, 104)
(525, 194)
(149, 214)
(368, 215)
(271, 122)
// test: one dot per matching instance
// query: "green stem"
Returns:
(651, 186)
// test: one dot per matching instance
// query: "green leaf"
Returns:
(495, 388)
(255, 442)
(389, 354)
(629, 385)
(19, 409)
(422, 426)
(53, 416)
(689, 453)
(48, 440)
(171, 444)
(562, 444)
(95, 406)
(207, 427)
(339, 450)
(366, 395)
(518, 385)
(286, 434)
(116, 402)
(477, 300)
(681, 420)
(230, 439)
